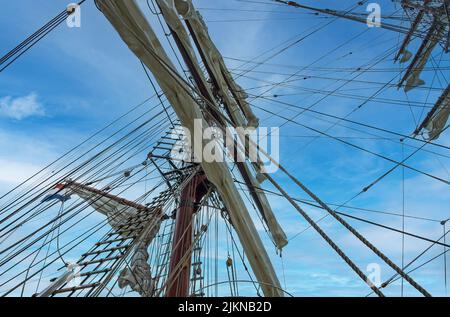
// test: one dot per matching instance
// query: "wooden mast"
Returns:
(180, 261)
(134, 29)
(221, 80)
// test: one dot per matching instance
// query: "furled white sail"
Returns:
(127, 218)
(170, 10)
(171, 17)
(138, 274)
(437, 122)
(117, 214)
(406, 56)
(134, 29)
(229, 90)
(436, 33)
(414, 80)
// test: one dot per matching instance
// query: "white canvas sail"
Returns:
(122, 214)
(134, 29)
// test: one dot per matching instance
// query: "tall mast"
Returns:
(233, 96)
(182, 247)
(408, 37)
(134, 29)
(340, 14)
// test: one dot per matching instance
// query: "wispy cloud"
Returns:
(12, 173)
(21, 107)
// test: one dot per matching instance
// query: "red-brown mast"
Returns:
(180, 261)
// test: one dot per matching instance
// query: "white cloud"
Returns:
(21, 107)
(13, 173)
(22, 155)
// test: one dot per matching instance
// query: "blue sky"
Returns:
(77, 80)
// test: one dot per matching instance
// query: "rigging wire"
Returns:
(120, 163)
(14, 202)
(403, 166)
(403, 219)
(364, 150)
(287, 12)
(183, 84)
(49, 180)
(403, 136)
(157, 93)
(445, 255)
(104, 223)
(428, 68)
(395, 277)
(134, 108)
(36, 37)
(313, 91)
(401, 231)
(322, 77)
(388, 26)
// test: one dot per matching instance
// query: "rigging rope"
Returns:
(338, 252)
(333, 245)
(359, 148)
(184, 84)
(402, 231)
(33, 39)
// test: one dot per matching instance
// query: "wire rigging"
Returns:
(36, 37)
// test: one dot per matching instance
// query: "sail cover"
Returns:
(215, 64)
(437, 122)
(135, 31)
(117, 213)
(435, 34)
(121, 214)
(226, 87)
